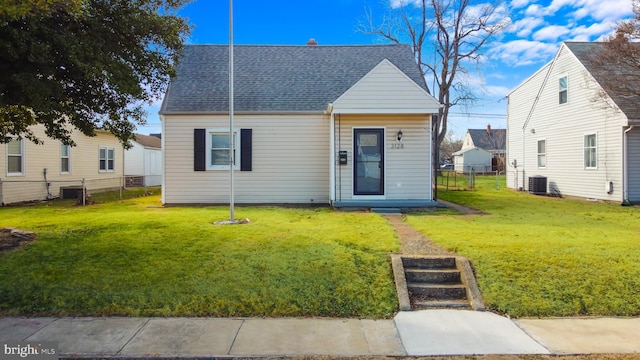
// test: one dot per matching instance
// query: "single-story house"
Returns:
(473, 159)
(482, 151)
(143, 161)
(39, 172)
(572, 132)
(340, 125)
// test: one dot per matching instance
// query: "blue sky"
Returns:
(534, 32)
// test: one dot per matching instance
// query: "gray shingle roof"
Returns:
(276, 78)
(626, 98)
(482, 139)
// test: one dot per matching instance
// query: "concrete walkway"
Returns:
(427, 332)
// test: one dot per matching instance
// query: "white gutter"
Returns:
(625, 167)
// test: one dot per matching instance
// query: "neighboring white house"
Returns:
(563, 125)
(340, 125)
(38, 172)
(143, 161)
(492, 140)
(473, 159)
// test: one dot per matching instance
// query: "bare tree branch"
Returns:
(453, 32)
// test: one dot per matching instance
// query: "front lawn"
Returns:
(542, 256)
(132, 258)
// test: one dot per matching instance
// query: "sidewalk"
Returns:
(427, 332)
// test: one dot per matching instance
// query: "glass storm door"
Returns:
(368, 153)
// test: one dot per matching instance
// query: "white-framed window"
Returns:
(563, 89)
(218, 148)
(15, 157)
(542, 153)
(591, 151)
(107, 159)
(65, 159)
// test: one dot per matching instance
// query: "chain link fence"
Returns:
(21, 191)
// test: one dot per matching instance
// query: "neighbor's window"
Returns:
(107, 159)
(218, 143)
(15, 157)
(65, 156)
(590, 151)
(563, 86)
(542, 153)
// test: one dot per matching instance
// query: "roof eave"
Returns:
(307, 112)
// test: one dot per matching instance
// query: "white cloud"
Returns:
(535, 10)
(517, 4)
(586, 33)
(611, 10)
(401, 3)
(522, 52)
(552, 33)
(524, 27)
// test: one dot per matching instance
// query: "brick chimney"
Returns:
(312, 42)
(489, 129)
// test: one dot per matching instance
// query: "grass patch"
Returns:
(132, 259)
(542, 256)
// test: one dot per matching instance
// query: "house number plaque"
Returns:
(397, 146)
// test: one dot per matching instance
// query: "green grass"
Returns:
(542, 256)
(131, 258)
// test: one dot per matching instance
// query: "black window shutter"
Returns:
(245, 149)
(199, 150)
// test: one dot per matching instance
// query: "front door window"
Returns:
(369, 161)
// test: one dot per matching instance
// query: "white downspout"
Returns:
(164, 158)
(332, 159)
(625, 168)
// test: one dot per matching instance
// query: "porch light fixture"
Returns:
(399, 136)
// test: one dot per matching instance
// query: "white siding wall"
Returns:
(290, 161)
(385, 87)
(141, 161)
(475, 158)
(407, 170)
(134, 160)
(83, 164)
(633, 142)
(563, 126)
(519, 105)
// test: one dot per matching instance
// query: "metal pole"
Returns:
(231, 137)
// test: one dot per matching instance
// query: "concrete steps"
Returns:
(435, 282)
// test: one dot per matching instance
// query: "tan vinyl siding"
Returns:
(385, 87)
(290, 161)
(633, 142)
(83, 163)
(407, 170)
(563, 126)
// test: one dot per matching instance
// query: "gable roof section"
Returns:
(482, 140)
(625, 98)
(272, 79)
(149, 141)
(386, 89)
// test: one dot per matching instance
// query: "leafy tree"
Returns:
(447, 37)
(85, 64)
